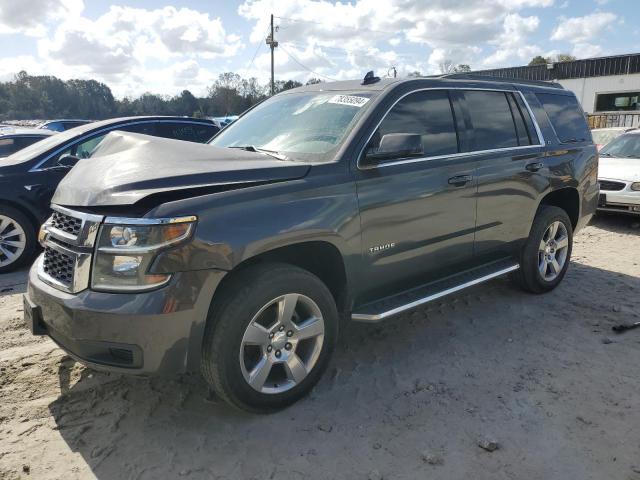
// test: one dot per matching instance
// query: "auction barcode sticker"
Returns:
(352, 100)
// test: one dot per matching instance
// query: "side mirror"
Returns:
(67, 160)
(397, 145)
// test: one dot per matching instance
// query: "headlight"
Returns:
(635, 186)
(126, 249)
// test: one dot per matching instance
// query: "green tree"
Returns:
(538, 60)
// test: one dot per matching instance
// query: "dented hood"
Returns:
(126, 167)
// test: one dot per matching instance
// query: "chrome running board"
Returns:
(388, 307)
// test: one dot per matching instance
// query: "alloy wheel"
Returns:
(13, 240)
(282, 343)
(552, 252)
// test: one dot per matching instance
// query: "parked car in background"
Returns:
(359, 199)
(29, 177)
(619, 174)
(62, 125)
(13, 139)
(222, 122)
(602, 136)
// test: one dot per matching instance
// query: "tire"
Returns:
(17, 239)
(245, 312)
(533, 262)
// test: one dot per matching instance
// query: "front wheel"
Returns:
(547, 252)
(269, 337)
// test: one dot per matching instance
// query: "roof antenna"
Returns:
(370, 78)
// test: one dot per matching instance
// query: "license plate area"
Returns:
(602, 200)
(33, 317)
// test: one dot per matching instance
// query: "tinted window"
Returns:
(566, 116)
(521, 128)
(146, 128)
(427, 114)
(531, 129)
(190, 132)
(11, 145)
(493, 125)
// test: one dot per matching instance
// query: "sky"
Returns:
(136, 46)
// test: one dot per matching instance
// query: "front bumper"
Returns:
(157, 332)
(621, 201)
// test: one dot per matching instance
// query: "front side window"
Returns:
(428, 114)
(80, 150)
(566, 116)
(305, 126)
(492, 121)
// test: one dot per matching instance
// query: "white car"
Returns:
(619, 174)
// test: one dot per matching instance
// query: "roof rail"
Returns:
(487, 78)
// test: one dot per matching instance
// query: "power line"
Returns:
(256, 52)
(304, 66)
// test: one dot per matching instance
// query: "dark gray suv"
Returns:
(350, 200)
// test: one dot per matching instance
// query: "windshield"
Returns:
(625, 146)
(307, 126)
(602, 137)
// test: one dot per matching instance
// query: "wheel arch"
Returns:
(566, 198)
(22, 209)
(319, 257)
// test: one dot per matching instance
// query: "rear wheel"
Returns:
(17, 239)
(270, 337)
(547, 252)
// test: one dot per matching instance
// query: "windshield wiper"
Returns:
(272, 153)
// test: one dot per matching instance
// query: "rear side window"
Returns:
(566, 116)
(492, 121)
(427, 114)
(190, 132)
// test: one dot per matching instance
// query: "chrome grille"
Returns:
(58, 266)
(611, 186)
(68, 248)
(66, 223)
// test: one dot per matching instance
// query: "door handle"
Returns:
(534, 167)
(460, 180)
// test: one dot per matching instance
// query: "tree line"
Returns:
(47, 97)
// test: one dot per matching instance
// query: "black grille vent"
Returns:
(611, 186)
(58, 266)
(66, 223)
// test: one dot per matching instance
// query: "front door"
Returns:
(418, 213)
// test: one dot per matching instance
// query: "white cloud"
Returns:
(582, 29)
(32, 17)
(451, 28)
(586, 50)
(513, 42)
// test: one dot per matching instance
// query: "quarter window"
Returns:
(566, 116)
(493, 124)
(426, 113)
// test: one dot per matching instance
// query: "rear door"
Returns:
(417, 220)
(511, 171)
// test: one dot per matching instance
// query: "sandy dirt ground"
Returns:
(542, 376)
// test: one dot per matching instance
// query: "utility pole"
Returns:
(272, 44)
